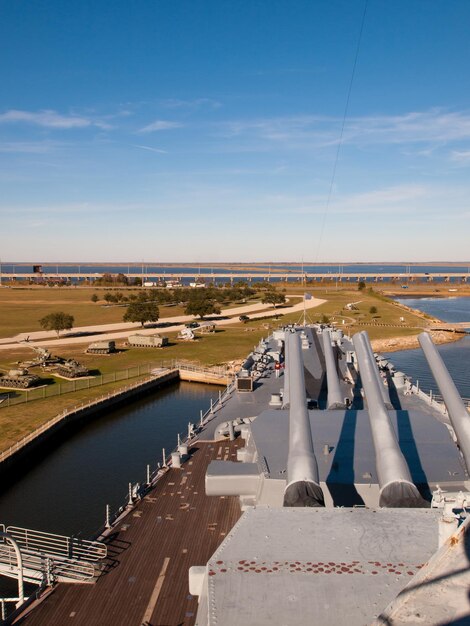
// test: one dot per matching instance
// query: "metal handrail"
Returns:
(45, 564)
(57, 545)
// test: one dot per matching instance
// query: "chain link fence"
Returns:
(12, 397)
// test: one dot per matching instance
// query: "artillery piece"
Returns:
(19, 379)
(44, 357)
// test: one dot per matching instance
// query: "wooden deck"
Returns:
(145, 580)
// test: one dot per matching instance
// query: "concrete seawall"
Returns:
(27, 451)
(32, 447)
(203, 377)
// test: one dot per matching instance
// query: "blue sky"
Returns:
(208, 130)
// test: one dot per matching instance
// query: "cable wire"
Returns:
(338, 149)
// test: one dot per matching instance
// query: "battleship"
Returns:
(323, 487)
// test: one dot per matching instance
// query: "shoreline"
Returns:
(439, 337)
(396, 344)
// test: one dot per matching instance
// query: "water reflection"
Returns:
(67, 490)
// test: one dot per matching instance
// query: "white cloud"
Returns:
(150, 149)
(404, 202)
(460, 156)
(33, 147)
(49, 119)
(160, 125)
(433, 126)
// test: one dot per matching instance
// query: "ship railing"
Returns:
(57, 545)
(138, 490)
(47, 556)
(434, 399)
(438, 398)
(39, 566)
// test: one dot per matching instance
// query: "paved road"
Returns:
(87, 334)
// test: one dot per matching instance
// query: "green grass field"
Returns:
(233, 342)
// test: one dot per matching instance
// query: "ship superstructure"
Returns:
(350, 487)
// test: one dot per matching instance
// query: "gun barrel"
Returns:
(396, 486)
(303, 487)
(335, 400)
(383, 389)
(458, 415)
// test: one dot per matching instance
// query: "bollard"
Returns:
(201, 417)
(176, 460)
(130, 495)
(148, 474)
(164, 458)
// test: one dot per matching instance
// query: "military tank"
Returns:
(19, 378)
(71, 369)
(101, 347)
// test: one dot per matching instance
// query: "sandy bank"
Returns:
(393, 344)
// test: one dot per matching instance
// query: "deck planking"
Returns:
(150, 552)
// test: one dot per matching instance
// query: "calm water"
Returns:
(11, 268)
(455, 355)
(67, 491)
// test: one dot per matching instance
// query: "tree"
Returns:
(373, 310)
(273, 297)
(121, 279)
(200, 304)
(57, 321)
(94, 298)
(141, 311)
(361, 285)
(109, 297)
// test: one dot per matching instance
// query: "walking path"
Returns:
(103, 332)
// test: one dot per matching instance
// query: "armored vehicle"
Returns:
(19, 378)
(71, 369)
(101, 347)
(147, 341)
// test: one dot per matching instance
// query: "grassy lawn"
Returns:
(227, 344)
(18, 421)
(21, 308)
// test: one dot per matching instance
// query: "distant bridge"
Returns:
(249, 276)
